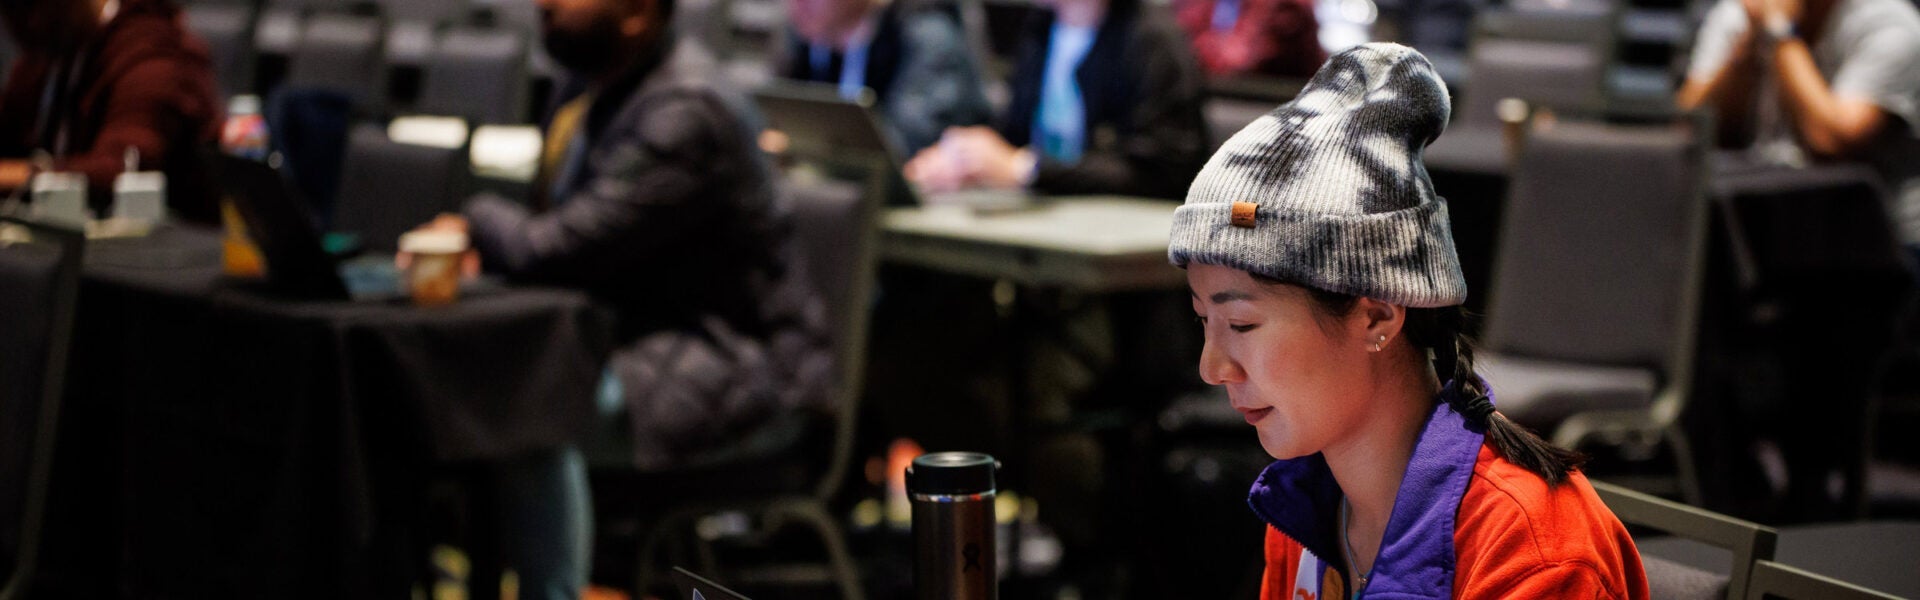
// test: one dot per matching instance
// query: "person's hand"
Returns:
(985, 159)
(1762, 12)
(446, 222)
(469, 260)
(1756, 11)
(934, 171)
(14, 174)
(774, 142)
(1789, 10)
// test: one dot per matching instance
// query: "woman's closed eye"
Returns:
(1236, 327)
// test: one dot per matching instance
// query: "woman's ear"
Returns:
(1378, 323)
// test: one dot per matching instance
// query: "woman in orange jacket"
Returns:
(1325, 277)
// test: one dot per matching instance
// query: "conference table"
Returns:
(219, 440)
(1092, 244)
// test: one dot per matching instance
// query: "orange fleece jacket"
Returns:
(1514, 538)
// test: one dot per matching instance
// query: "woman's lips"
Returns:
(1254, 415)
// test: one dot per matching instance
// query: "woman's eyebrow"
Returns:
(1224, 297)
(1231, 296)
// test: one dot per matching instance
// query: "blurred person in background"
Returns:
(915, 60)
(1434, 26)
(1253, 37)
(1324, 275)
(97, 77)
(1105, 99)
(654, 198)
(1802, 81)
(1795, 83)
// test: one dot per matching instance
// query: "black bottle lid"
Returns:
(952, 473)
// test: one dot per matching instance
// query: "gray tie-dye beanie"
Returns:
(1329, 190)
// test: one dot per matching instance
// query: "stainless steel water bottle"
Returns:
(953, 526)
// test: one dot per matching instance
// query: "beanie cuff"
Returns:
(1404, 257)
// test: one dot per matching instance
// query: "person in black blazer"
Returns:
(1106, 98)
(916, 62)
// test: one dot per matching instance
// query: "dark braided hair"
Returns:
(1443, 331)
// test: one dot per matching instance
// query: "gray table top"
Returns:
(1086, 243)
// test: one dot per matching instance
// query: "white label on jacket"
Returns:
(1306, 577)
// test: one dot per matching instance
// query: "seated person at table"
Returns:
(1800, 81)
(658, 202)
(916, 62)
(1247, 37)
(1106, 100)
(96, 77)
(1441, 26)
(1324, 276)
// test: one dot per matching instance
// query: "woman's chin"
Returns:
(1280, 449)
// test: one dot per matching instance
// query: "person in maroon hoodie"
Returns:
(96, 77)
(1242, 37)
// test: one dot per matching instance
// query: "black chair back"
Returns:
(1556, 58)
(836, 233)
(1792, 228)
(1601, 247)
(228, 30)
(477, 74)
(342, 53)
(429, 12)
(836, 227)
(387, 188)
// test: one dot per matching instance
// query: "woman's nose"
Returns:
(1216, 368)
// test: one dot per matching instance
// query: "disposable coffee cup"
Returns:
(60, 198)
(140, 196)
(433, 274)
(1514, 115)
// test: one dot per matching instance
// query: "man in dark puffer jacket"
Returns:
(654, 197)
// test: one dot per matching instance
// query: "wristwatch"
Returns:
(1781, 29)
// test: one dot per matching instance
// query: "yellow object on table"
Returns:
(239, 256)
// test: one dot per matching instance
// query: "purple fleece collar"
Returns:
(1300, 498)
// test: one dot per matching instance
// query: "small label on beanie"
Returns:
(1244, 214)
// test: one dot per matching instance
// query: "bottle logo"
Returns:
(972, 553)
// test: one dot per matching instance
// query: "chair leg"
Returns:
(15, 587)
(703, 550)
(1685, 469)
(650, 542)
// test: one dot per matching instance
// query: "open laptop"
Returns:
(282, 227)
(825, 127)
(700, 588)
